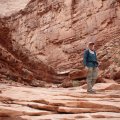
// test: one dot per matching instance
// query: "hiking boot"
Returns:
(91, 92)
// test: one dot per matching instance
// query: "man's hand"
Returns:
(99, 64)
(86, 68)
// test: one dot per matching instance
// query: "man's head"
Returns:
(91, 45)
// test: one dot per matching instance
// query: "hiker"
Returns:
(91, 65)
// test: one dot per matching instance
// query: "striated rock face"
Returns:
(16, 64)
(42, 42)
(47, 37)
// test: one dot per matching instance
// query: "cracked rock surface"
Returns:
(31, 103)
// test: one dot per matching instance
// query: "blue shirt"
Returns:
(90, 60)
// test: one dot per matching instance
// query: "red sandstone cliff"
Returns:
(46, 39)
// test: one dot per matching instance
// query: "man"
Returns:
(91, 65)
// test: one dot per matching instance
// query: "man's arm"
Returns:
(85, 58)
(96, 58)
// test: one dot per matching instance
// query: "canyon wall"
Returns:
(53, 34)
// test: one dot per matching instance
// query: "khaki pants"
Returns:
(91, 77)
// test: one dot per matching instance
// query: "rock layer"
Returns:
(60, 103)
(46, 38)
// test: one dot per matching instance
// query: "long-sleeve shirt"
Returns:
(90, 60)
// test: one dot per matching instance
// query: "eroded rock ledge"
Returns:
(28, 103)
